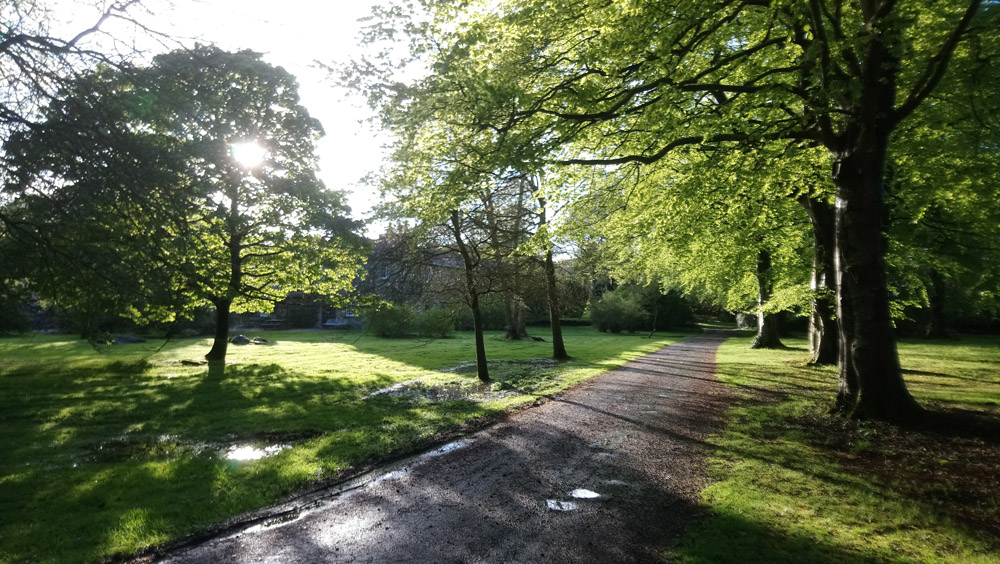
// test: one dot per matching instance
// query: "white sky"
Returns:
(292, 34)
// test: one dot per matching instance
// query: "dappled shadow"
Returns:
(138, 454)
(490, 501)
(634, 444)
(731, 538)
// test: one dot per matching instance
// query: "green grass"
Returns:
(793, 484)
(106, 452)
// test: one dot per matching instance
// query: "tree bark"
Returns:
(823, 333)
(767, 324)
(515, 317)
(870, 380)
(473, 292)
(221, 343)
(937, 326)
(224, 303)
(508, 317)
(552, 293)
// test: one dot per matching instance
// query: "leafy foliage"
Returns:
(390, 320)
(434, 323)
(148, 214)
(619, 310)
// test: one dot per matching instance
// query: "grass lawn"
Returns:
(793, 484)
(107, 452)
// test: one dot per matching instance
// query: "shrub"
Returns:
(619, 310)
(390, 320)
(491, 308)
(435, 323)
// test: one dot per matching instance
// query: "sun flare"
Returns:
(248, 154)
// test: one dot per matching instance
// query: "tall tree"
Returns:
(34, 64)
(601, 83)
(201, 166)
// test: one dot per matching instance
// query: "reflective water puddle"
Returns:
(172, 447)
(251, 452)
(477, 392)
(556, 505)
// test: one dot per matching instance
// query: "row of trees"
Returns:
(706, 138)
(152, 190)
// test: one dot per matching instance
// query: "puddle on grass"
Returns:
(478, 392)
(251, 452)
(581, 493)
(171, 447)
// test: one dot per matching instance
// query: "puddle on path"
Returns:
(448, 448)
(556, 505)
(403, 467)
(393, 475)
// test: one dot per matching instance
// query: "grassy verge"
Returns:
(106, 452)
(795, 485)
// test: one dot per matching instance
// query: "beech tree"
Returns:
(197, 174)
(719, 226)
(601, 84)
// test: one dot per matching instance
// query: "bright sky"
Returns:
(292, 34)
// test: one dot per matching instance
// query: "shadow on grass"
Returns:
(728, 538)
(862, 492)
(133, 453)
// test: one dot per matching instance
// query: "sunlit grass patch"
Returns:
(793, 484)
(111, 449)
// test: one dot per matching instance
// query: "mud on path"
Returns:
(608, 471)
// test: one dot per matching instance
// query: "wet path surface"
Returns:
(606, 472)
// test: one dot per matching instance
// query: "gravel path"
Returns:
(608, 471)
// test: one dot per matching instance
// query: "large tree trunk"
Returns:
(224, 303)
(870, 381)
(823, 333)
(767, 324)
(552, 292)
(937, 326)
(221, 342)
(508, 318)
(473, 293)
(515, 318)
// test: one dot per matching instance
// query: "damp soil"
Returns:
(609, 471)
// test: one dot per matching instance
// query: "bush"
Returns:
(390, 320)
(491, 308)
(435, 323)
(672, 311)
(619, 310)
(13, 321)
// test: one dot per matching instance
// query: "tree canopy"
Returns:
(153, 194)
(531, 84)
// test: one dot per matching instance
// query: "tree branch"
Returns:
(936, 66)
